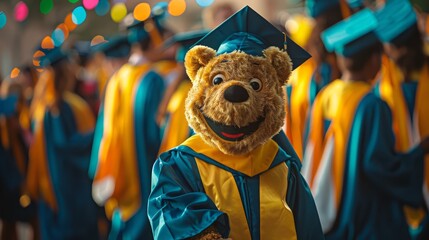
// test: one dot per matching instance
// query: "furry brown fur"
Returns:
(238, 68)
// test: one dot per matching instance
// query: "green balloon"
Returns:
(46, 6)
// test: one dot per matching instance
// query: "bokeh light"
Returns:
(3, 19)
(15, 72)
(204, 3)
(38, 54)
(47, 43)
(36, 62)
(90, 4)
(58, 37)
(73, 1)
(97, 40)
(176, 7)
(25, 200)
(79, 15)
(46, 6)
(65, 30)
(102, 8)
(142, 11)
(36, 58)
(21, 11)
(118, 12)
(68, 21)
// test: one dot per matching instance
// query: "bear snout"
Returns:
(236, 94)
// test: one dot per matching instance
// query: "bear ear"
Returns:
(281, 62)
(197, 57)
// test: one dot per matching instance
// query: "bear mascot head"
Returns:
(237, 99)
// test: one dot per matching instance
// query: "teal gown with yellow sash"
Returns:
(260, 195)
(410, 113)
(359, 182)
(300, 97)
(59, 159)
(127, 150)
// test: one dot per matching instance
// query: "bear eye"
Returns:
(256, 84)
(218, 79)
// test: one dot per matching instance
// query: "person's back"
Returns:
(359, 182)
(404, 86)
(131, 137)
(59, 158)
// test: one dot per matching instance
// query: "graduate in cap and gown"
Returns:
(182, 201)
(131, 137)
(172, 107)
(116, 52)
(313, 75)
(59, 155)
(404, 86)
(15, 205)
(359, 181)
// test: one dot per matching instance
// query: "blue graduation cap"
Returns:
(52, 57)
(315, 8)
(82, 48)
(138, 30)
(185, 41)
(249, 32)
(351, 35)
(394, 19)
(115, 47)
(8, 105)
(355, 3)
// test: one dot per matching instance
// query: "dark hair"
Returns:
(323, 22)
(359, 60)
(411, 40)
(163, 32)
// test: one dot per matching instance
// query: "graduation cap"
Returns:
(315, 8)
(351, 35)
(115, 47)
(53, 57)
(8, 105)
(186, 41)
(355, 3)
(83, 48)
(249, 32)
(395, 18)
(152, 27)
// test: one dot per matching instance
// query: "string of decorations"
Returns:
(117, 8)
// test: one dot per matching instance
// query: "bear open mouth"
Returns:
(233, 133)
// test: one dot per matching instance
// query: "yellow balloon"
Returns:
(177, 7)
(142, 11)
(118, 12)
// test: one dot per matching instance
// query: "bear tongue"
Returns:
(229, 135)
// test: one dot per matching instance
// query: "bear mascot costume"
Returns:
(231, 179)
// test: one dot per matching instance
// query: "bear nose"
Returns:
(236, 94)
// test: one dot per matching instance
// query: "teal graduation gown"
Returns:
(180, 206)
(377, 180)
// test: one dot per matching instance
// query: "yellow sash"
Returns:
(177, 129)
(299, 105)
(39, 184)
(339, 102)
(221, 187)
(117, 158)
(251, 164)
(391, 92)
